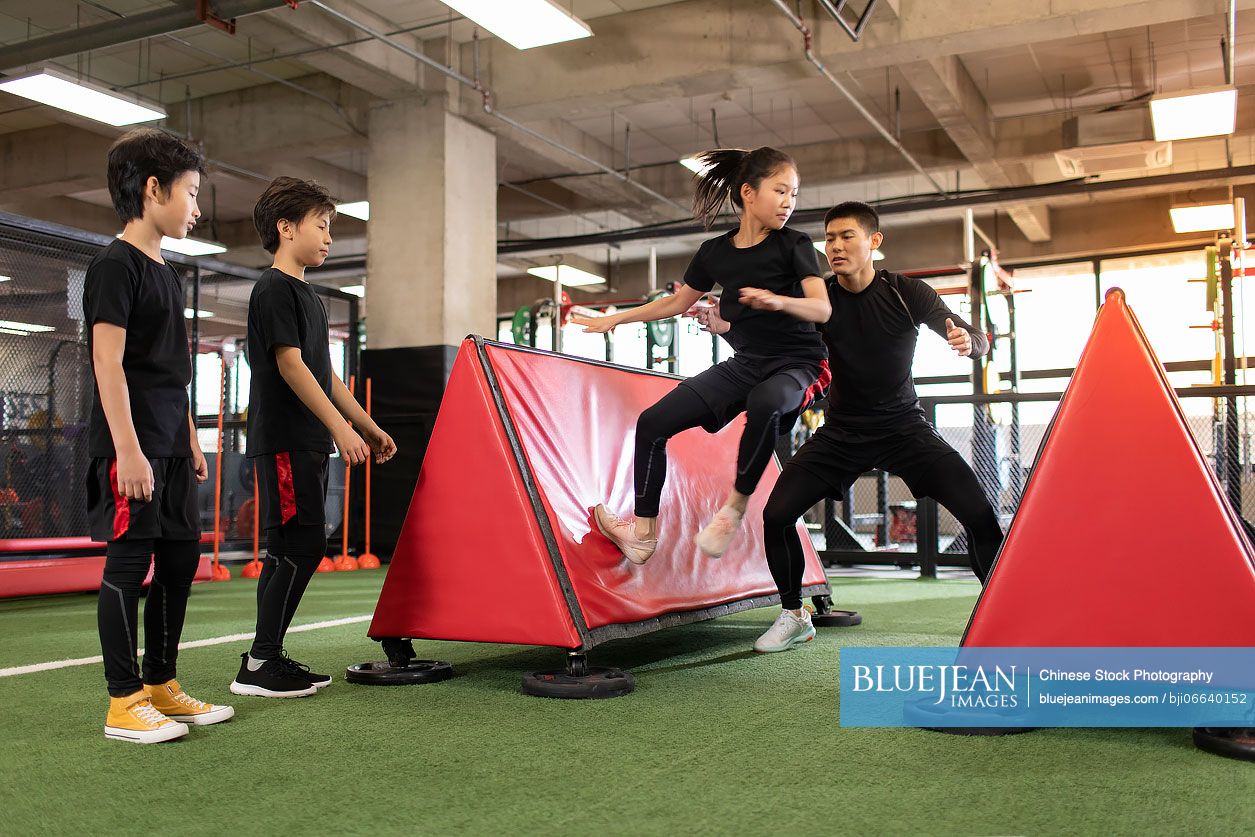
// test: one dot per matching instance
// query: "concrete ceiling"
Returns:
(978, 95)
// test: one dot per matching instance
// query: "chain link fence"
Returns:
(879, 522)
(45, 397)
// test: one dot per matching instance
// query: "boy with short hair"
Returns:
(298, 414)
(146, 461)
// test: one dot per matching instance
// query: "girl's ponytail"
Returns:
(724, 170)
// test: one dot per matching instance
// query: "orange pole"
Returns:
(256, 520)
(368, 560)
(344, 561)
(368, 459)
(253, 568)
(344, 530)
(220, 573)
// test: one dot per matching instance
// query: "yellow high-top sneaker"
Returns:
(177, 705)
(134, 718)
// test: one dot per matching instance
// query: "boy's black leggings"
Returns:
(293, 552)
(117, 610)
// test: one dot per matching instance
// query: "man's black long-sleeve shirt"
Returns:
(871, 339)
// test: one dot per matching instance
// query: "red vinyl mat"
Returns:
(499, 544)
(1123, 537)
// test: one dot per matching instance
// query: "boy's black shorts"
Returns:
(170, 515)
(292, 486)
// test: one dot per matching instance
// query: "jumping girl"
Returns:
(773, 297)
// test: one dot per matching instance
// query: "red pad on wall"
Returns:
(499, 544)
(75, 574)
(1124, 537)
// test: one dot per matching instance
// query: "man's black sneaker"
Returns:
(318, 681)
(274, 679)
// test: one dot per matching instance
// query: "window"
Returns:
(695, 348)
(933, 357)
(1054, 313)
(629, 345)
(580, 343)
(1165, 302)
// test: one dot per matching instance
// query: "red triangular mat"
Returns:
(471, 562)
(1123, 537)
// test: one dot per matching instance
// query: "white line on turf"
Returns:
(196, 643)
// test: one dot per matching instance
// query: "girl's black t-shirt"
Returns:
(778, 264)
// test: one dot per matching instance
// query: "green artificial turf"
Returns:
(715, 740)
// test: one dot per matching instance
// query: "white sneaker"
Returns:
(788, 631)
(170, 700)
(714, 539)
(622, 533)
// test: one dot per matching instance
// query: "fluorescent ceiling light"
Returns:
(6, 278)
(572, 277)
(15, 331)
(877, 256)
(191, 246)
(1212, 218)
(694, 165)
(1205, 112)
(61, 90)
(355, 209)
(523, 23)
(356, 290)
(188, 313)
(27, 327)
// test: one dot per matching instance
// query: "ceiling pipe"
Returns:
(486, 94)
(1231, 36)
(807, 43)
(125, 30)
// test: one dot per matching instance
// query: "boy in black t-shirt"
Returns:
(146, 461)
(298, 414)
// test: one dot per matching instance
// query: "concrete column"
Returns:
(431, 277)
(431, 240)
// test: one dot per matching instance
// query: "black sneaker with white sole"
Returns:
(298, 669)
(273, 679)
